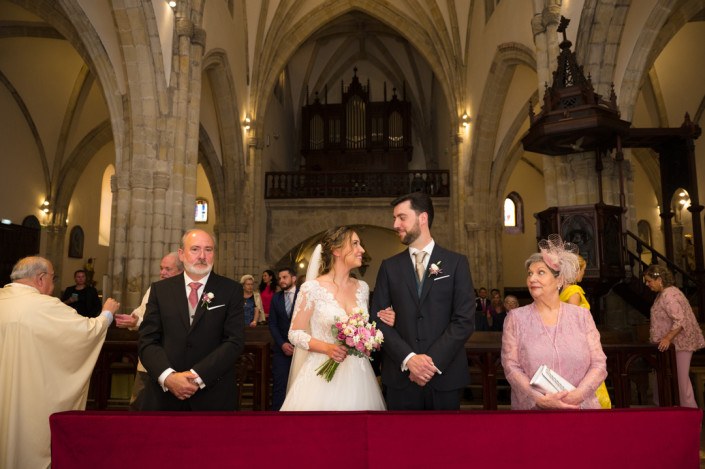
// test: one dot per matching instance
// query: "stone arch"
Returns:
(68, 177)
(32, 126)
(509, 152)
(68, 17)
(480, 169)
(663, 23)
(598, 40)
(277, 50)
(208, 158)
(229, 180)
(484, 172)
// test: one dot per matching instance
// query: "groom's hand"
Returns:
(421, 369)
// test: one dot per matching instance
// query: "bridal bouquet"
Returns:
(355, 332)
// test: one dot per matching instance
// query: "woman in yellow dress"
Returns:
(574, 294)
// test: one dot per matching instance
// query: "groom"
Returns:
(424, 365)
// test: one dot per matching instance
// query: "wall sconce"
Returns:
(465, 119)
(247, 123)
(172, 3)
(45, 206)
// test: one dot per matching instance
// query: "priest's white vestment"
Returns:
(47, 355)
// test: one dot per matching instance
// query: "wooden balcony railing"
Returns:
(302, 185)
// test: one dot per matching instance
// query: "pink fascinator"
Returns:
(560, 256)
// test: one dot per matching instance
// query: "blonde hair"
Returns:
(246, 277)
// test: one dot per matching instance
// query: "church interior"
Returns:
(266, 122)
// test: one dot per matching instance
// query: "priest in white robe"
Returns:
(47, 355)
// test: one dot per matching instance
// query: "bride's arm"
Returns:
(303, 310)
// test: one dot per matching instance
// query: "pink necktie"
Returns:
(193, 295)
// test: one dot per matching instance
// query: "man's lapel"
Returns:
(408, 273)
(181, 299)
(428, 281)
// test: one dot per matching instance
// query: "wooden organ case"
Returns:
(356, 134)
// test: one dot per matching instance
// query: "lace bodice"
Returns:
(318, 303)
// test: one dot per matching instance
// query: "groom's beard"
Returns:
(411, 235)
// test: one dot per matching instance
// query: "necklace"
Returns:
(552, 340)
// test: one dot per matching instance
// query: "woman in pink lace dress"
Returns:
(552, 333)
(673, 322)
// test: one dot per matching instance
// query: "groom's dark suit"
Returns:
(210, 345)
(436, 323)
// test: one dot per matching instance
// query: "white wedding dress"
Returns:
(354, 385)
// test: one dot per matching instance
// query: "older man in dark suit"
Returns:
(192, 334)
(424, 363)
(280, 313)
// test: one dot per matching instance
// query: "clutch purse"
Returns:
(548, 381)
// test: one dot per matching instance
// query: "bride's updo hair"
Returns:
(333, 239)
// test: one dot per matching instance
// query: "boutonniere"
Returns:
(206, 299)
(435, 269)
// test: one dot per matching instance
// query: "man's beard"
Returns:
(411, 235)
(198, 269)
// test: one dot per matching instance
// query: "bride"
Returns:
(322, 298)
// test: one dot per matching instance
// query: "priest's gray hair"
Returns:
(30, 267)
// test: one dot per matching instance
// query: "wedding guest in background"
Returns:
(267, 289)
(254, 312)
(495, 293)
(280, 312)
(510, 302)
(482, 306)
(169, 266)
(47, 356)
(82, 297)
(673, 322)
(552, 333)
(575, 295)
(497, 315)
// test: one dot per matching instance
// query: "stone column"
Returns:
(252, 244)
(483, 240)
(457, 195)
(55, 242)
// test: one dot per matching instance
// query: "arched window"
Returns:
(106, 207)
(513, 214)
(643, 228)
(201, 211)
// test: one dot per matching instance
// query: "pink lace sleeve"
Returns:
(673, 306)
(598, 360)
(523, 392)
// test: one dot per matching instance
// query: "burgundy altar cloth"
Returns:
(619, 438)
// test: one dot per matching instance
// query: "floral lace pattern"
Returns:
(671, 310)
(571, 348)
(354, 386)
(323, 308)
